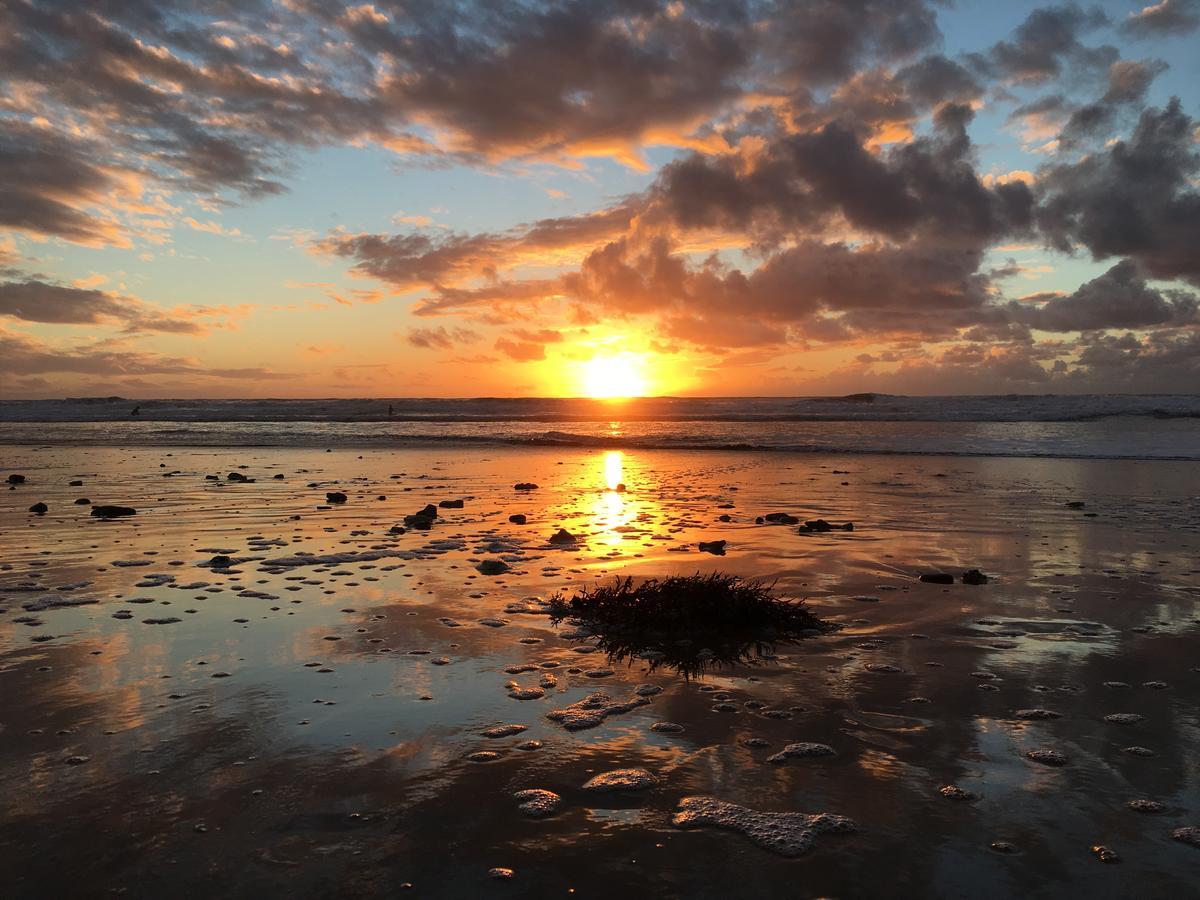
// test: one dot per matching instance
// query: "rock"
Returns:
(236, 476)
(1047, 757)
(83, 501)
(39, 509)
(621, 780)
(429, 511)
(278, 477)
(16, 479)
(725, 518)
(1188, 834)
(75, 484)
(937, 578)
(782, 519)
(517, 518)
(503, 731)
(335, 497)
(524, 486)
(820, 526)
(113, 512)
(974, 576)
(1036, 714)
(717, 548)
(220, 561)
(1150, 807)
(421, 523)
(562, 538)
(501, 874)
(592, 710)
(788, 834)
(802, 750)
(451, 504)
(492, 567)
(538, 803)
(1075, 504)
(1105, 854)
(954, 792)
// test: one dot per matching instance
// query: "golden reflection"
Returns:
(614, 470)
(614, 513)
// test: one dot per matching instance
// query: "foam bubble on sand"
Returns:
(537, 802)
(483, 756)
(1123, 718)
(802, 750)
(788, 834)
(666, 727)
(592, 710)
(621, 780)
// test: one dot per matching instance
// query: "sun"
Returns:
(614, 376)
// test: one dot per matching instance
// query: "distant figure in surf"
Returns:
(137, 411)
(391, 412)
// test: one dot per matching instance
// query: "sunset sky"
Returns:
(309, 198)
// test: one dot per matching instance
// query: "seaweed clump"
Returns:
(688, 623)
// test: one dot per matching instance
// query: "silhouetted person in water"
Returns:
(137, 411)
(391, 412)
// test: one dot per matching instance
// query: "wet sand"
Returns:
(308, 720)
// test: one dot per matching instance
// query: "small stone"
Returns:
(1105, 854)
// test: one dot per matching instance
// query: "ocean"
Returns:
(1086, 426)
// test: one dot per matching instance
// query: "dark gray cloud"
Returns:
(1046, 44)
(22, 356)
(32, 300)
(1118, 299)
(1137, 198)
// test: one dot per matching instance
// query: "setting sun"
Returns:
(619, 375)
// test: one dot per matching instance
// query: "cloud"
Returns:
(440, 338)
(1045, 42)
(1136, 199)
(1166, 18)
(32, 300)
(1119, 298)
(23, 356)
(521, 351)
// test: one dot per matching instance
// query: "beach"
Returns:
(247, 689)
